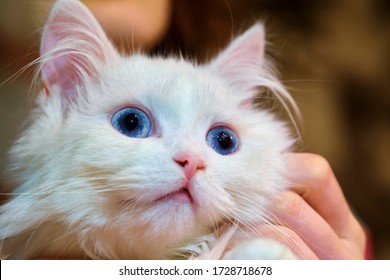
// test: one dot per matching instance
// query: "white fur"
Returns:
(85, 190)
(259, 249)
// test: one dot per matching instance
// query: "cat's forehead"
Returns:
(168, 88)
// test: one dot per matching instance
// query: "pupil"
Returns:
(224, 140)
(131, 121)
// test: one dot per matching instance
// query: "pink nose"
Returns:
(190, 163)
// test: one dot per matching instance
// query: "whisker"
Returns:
(272, 221)
(268, 219)
(280, 49)
(310, 81)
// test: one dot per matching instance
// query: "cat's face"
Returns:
(141, 155)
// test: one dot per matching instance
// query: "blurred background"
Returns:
(333, 55)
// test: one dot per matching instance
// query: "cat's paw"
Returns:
(260, 249)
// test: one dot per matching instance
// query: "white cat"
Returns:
(144, 158)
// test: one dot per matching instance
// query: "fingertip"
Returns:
(306, 169)
(318, 167)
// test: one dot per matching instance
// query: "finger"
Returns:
(314, 180)
(291, 210)
(289, 238)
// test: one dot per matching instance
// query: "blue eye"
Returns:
(222, 140)
(132, 122)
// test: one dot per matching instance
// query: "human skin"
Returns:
(315, 214)
(132, 24)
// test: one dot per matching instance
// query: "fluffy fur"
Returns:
(84, 190)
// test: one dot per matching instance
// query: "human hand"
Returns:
(314, 219)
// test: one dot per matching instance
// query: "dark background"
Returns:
(333, 55)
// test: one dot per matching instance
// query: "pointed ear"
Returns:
(242, 61)
(73, 46)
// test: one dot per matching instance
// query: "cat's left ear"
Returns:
(242, 62)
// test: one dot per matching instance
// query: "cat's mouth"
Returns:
(181, 195)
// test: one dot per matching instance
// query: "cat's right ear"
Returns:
(73, 47)
(243, 62)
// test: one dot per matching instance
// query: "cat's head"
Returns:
(129, 157)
